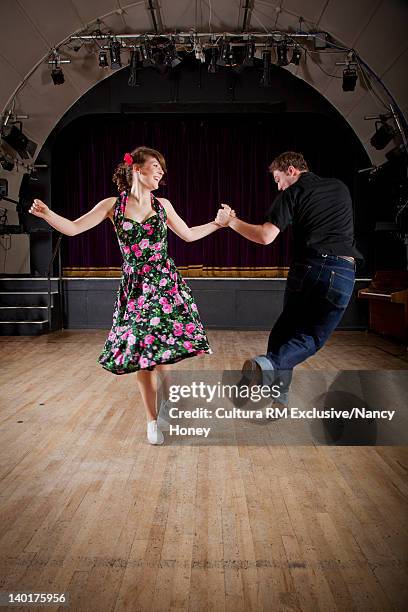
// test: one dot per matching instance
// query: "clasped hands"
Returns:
(225, 215)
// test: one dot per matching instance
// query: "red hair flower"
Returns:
(128, 159)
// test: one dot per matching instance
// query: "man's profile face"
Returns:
(285, 179)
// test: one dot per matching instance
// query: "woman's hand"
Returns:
(224, 215)
(39, 209)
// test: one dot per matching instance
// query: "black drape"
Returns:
(211, 159)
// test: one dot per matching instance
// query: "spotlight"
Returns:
(57, 76)
(224, 56)
(383, 134)
(349, 79)
(198, 51)
(56, 73)
(114, 52)
(282, 52)
(266, 74)
(147, 55)
(6, 164)
(103, 59)
(212, 66)
(249, 54)
(296, 55)
(171, 58)
(19, 141)
(134, 65)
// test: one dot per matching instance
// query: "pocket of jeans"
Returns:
(296, 277)
(340, 289)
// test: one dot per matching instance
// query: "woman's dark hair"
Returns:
(290, 158)
(122, 176)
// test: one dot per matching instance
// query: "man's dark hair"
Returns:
(290, 158)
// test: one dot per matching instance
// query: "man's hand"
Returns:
(224, 215)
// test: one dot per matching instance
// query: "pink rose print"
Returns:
(131, 306)
(190, 327)
(148, 228)
(163, 282)
(126, 249)
(140, 301)
(131, 339)
(155, 321)
(166, 355)
(149, 339)
(194, 307)
(187, 345)
(119, 359)
(146, 269)
(171, 340)
(144, 363)
(143, 244)
(157, 246)
(178, 299)
(163, 300)
(146, 288)
(112, 336)
(127, 226)
(178, 329)
(136, 250)
(167, 308)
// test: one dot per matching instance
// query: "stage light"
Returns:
(349, 79)
(171, 58)
(114, 52)
(147, 55)
(57, 76)
(199, 52)
(212, 66)
(223, 55)
(56, 73)
(383, 134)
(266, 73)
(134, 65)
(282, 52)
(249, 54)
(19, 141)
(296, 55)
(103, 59)
(6, 164)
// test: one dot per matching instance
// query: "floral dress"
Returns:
(155, 319)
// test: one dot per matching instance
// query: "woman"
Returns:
(155, 321)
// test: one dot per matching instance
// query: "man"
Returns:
(321, 277)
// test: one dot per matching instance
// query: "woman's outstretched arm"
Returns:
(180, 227)
(71, 228)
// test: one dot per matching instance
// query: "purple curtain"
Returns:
(211, 159)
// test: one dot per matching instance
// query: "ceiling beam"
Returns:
(246, 12)
(153, 8)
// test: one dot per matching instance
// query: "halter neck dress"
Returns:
(155, 318)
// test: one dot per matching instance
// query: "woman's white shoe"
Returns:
(154, 435)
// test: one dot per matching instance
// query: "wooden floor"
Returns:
(90, 509)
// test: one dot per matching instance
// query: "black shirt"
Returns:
(321, 213)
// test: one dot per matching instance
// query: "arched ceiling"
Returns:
(377, 29)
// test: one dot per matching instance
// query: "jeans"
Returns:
(317, 292)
